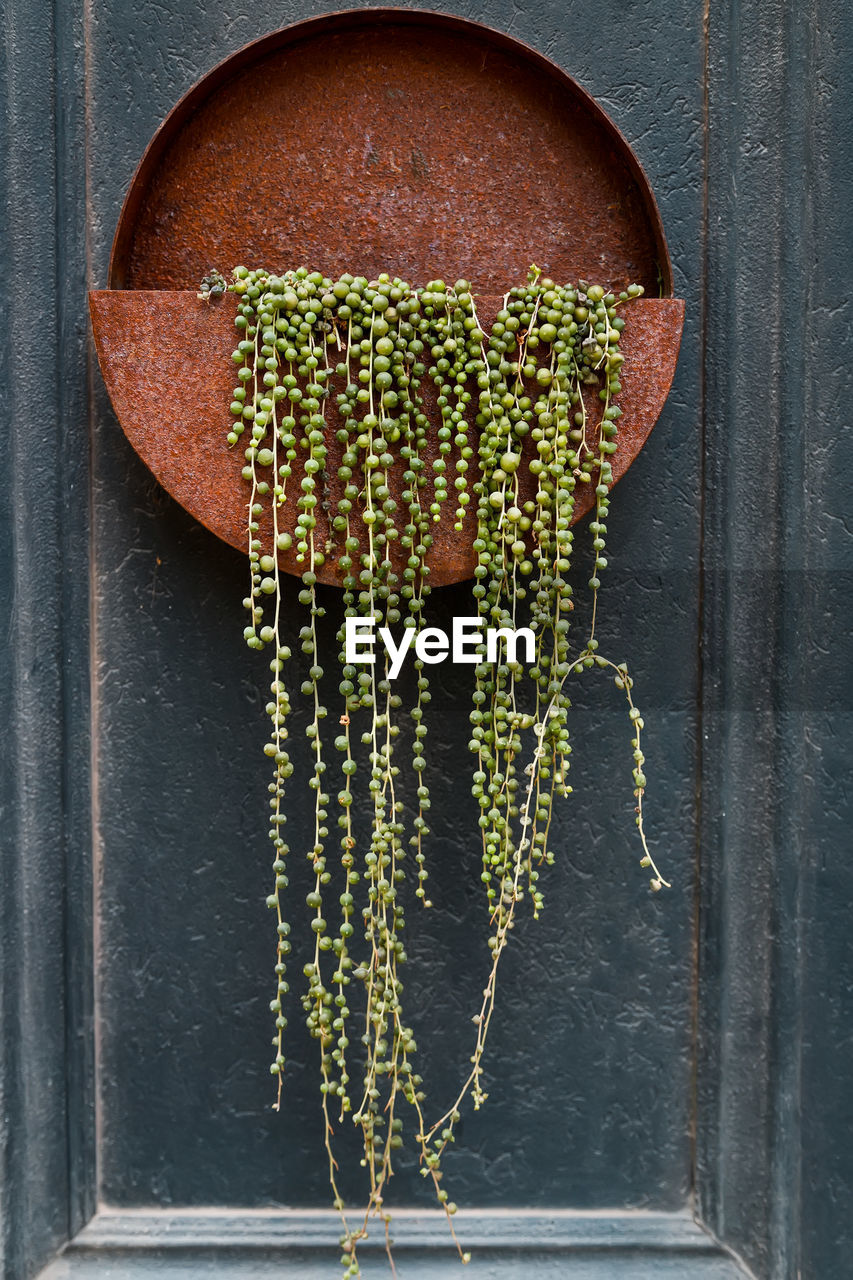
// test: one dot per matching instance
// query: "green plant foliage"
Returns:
(348, 358)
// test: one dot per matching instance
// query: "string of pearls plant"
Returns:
(348, 360)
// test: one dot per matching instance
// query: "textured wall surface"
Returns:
(683, 1053)
(589, 1070)
(775, 1173)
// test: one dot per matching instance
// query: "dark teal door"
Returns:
(667, 1090)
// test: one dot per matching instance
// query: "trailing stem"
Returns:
(529, 388)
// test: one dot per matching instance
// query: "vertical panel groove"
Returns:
(700, 610)
(73, 370)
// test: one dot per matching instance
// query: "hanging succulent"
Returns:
(347, 367)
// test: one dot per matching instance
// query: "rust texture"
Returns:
(165, 357)
(387, 140)
(367, 141)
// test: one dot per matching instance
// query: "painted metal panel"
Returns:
(595, 1023)
(738, 575)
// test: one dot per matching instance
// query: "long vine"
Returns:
(331, 410)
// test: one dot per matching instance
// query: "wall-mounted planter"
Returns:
(418, 144)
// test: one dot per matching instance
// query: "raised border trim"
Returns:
(505, 1245)
(492, 1229)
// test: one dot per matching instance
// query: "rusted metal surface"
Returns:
(165, 358)
(390, 140)
(370, 140)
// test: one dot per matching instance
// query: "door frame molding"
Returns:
(760, 84)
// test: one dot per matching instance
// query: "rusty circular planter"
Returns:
(418, 144)
(166, 363)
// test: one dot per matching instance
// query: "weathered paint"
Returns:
(750, 463)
